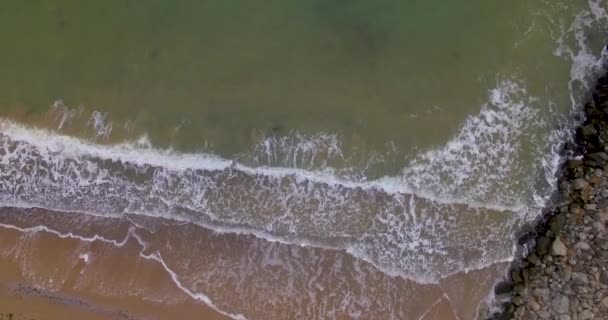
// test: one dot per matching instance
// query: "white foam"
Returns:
(481, 162)
(280, 204)
(297, 150)
(64, 115)
(141, 153)
(84, 257)
(100, 124)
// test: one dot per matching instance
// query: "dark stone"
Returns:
(604, 277)
(518, 301)
(533, 258)
(557, 222)
(574, 163)
(599, 157)
(602, 204)
(588, 130)
(503, 288)
(542, 245)
(516, 277)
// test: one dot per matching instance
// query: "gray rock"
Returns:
(534, 305)
(598, 157)
(560, 304)
(582, 245)
(580, 278)
(516, 277)
(599, 227)
(590, 206)
(604, 277)
(564, 317)
(541, 293)
(558, 248)
(586, 315)
(544, 314)
(605, 303)
(518, 301)
(579, 183)
(565, 275)
(603, 204)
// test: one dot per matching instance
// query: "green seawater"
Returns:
(386, 77)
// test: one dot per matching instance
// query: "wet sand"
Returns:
(52, 274)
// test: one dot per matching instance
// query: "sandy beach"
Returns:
(98, 271)
(42, 277)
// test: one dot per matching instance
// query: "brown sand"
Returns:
(45, 276)
(29, 262)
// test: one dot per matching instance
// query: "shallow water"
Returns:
(411, 137)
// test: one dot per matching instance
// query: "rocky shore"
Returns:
(565, 274)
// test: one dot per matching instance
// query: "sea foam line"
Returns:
(134, 153)
(155, 256)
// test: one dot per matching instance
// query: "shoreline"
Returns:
(561, 268)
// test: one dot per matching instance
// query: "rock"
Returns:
(580, 278)
(560, 304)
(533, 258)
(534, 305)
(599, 158)
(601, 216)
(590, 206)
(586, 315)
(557, 222)
(542, 245)
(516, 277)
(603, 204)
(541, 293)
(525, 274)
(582, 245)
(588, 130)
(518, 301)
(558, 248)
(599, 227)
(605, 303)
(574, 163)
(503, 288)
(544, 314)
(564, 317)
(565, 275)
(519, 288)
(579, 184)
(604, 277)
